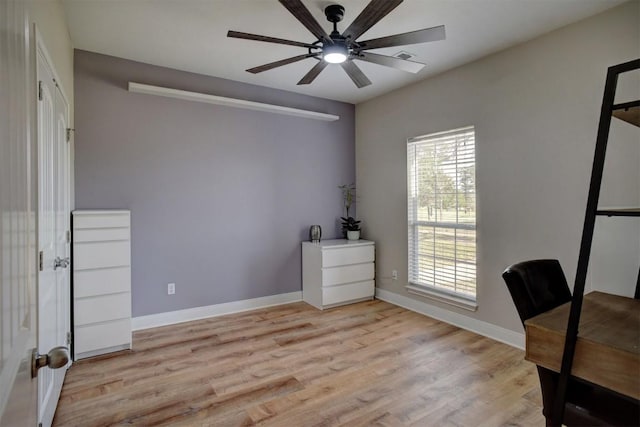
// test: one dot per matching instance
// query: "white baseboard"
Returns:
(497, 333)
(489, 330)
(187, 315)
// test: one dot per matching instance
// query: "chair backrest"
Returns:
(536, 286)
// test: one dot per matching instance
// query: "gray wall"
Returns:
(220, 197)
(535, 108)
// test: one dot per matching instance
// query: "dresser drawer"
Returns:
(102, 220)
(101, 309)
(102, 335)
(101, 255)
(347, 274)
(347, 255)
(351, 291)
(100, 234)
(89, 283)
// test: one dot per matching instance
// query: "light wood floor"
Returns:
(365, 364)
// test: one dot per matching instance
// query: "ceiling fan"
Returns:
(343, 49)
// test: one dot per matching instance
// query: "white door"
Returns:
(53, 212)
(18, 392)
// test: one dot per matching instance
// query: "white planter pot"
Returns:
(353, 235)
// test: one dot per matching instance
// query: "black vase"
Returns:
(315, 233)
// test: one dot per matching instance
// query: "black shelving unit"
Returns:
(629, 112)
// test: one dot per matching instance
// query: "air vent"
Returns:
(404, 55)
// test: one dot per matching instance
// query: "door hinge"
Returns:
(68, 236)
(40, 90)
(41, 260)
(69, 338)
(69, 130)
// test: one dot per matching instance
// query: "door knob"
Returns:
(61, 263)
(56, 358)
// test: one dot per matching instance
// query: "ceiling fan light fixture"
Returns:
(335, 53)
(345, 48)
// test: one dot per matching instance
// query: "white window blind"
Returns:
(442, 212)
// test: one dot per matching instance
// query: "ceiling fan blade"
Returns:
(420, 36)
(313, 73)
(280, 63)
(390, 61)
(248, 36)
(375, 11)
(303, 15)
(356, 74)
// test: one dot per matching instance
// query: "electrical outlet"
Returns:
(171, 288)
(394, 274)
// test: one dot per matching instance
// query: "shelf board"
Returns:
(229, 102)
(618, 212)
(607, 351)
(629, 112)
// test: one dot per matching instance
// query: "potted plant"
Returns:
(350, 227)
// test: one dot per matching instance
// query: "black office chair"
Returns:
(538, 286)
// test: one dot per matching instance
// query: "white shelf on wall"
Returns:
(229, 102)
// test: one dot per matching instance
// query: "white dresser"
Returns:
(337, 272)
(101, 282)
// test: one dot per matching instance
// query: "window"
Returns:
(441, 196)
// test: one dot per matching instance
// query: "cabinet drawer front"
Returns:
(103, 335)
(89, 283)
(343, 293)
(346, 256)
(101, 255)
(102, 308)
(105, 220)
(100, 234)
(347, 273)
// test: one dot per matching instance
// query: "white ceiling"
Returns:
(190, 35)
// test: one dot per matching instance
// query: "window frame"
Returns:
(434, 291)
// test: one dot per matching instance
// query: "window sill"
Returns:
(442, 297)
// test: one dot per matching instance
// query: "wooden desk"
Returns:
(608, 346)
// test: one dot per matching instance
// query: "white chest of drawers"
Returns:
(337, 272)
(101, 282)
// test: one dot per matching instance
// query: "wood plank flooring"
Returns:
(365, 364)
